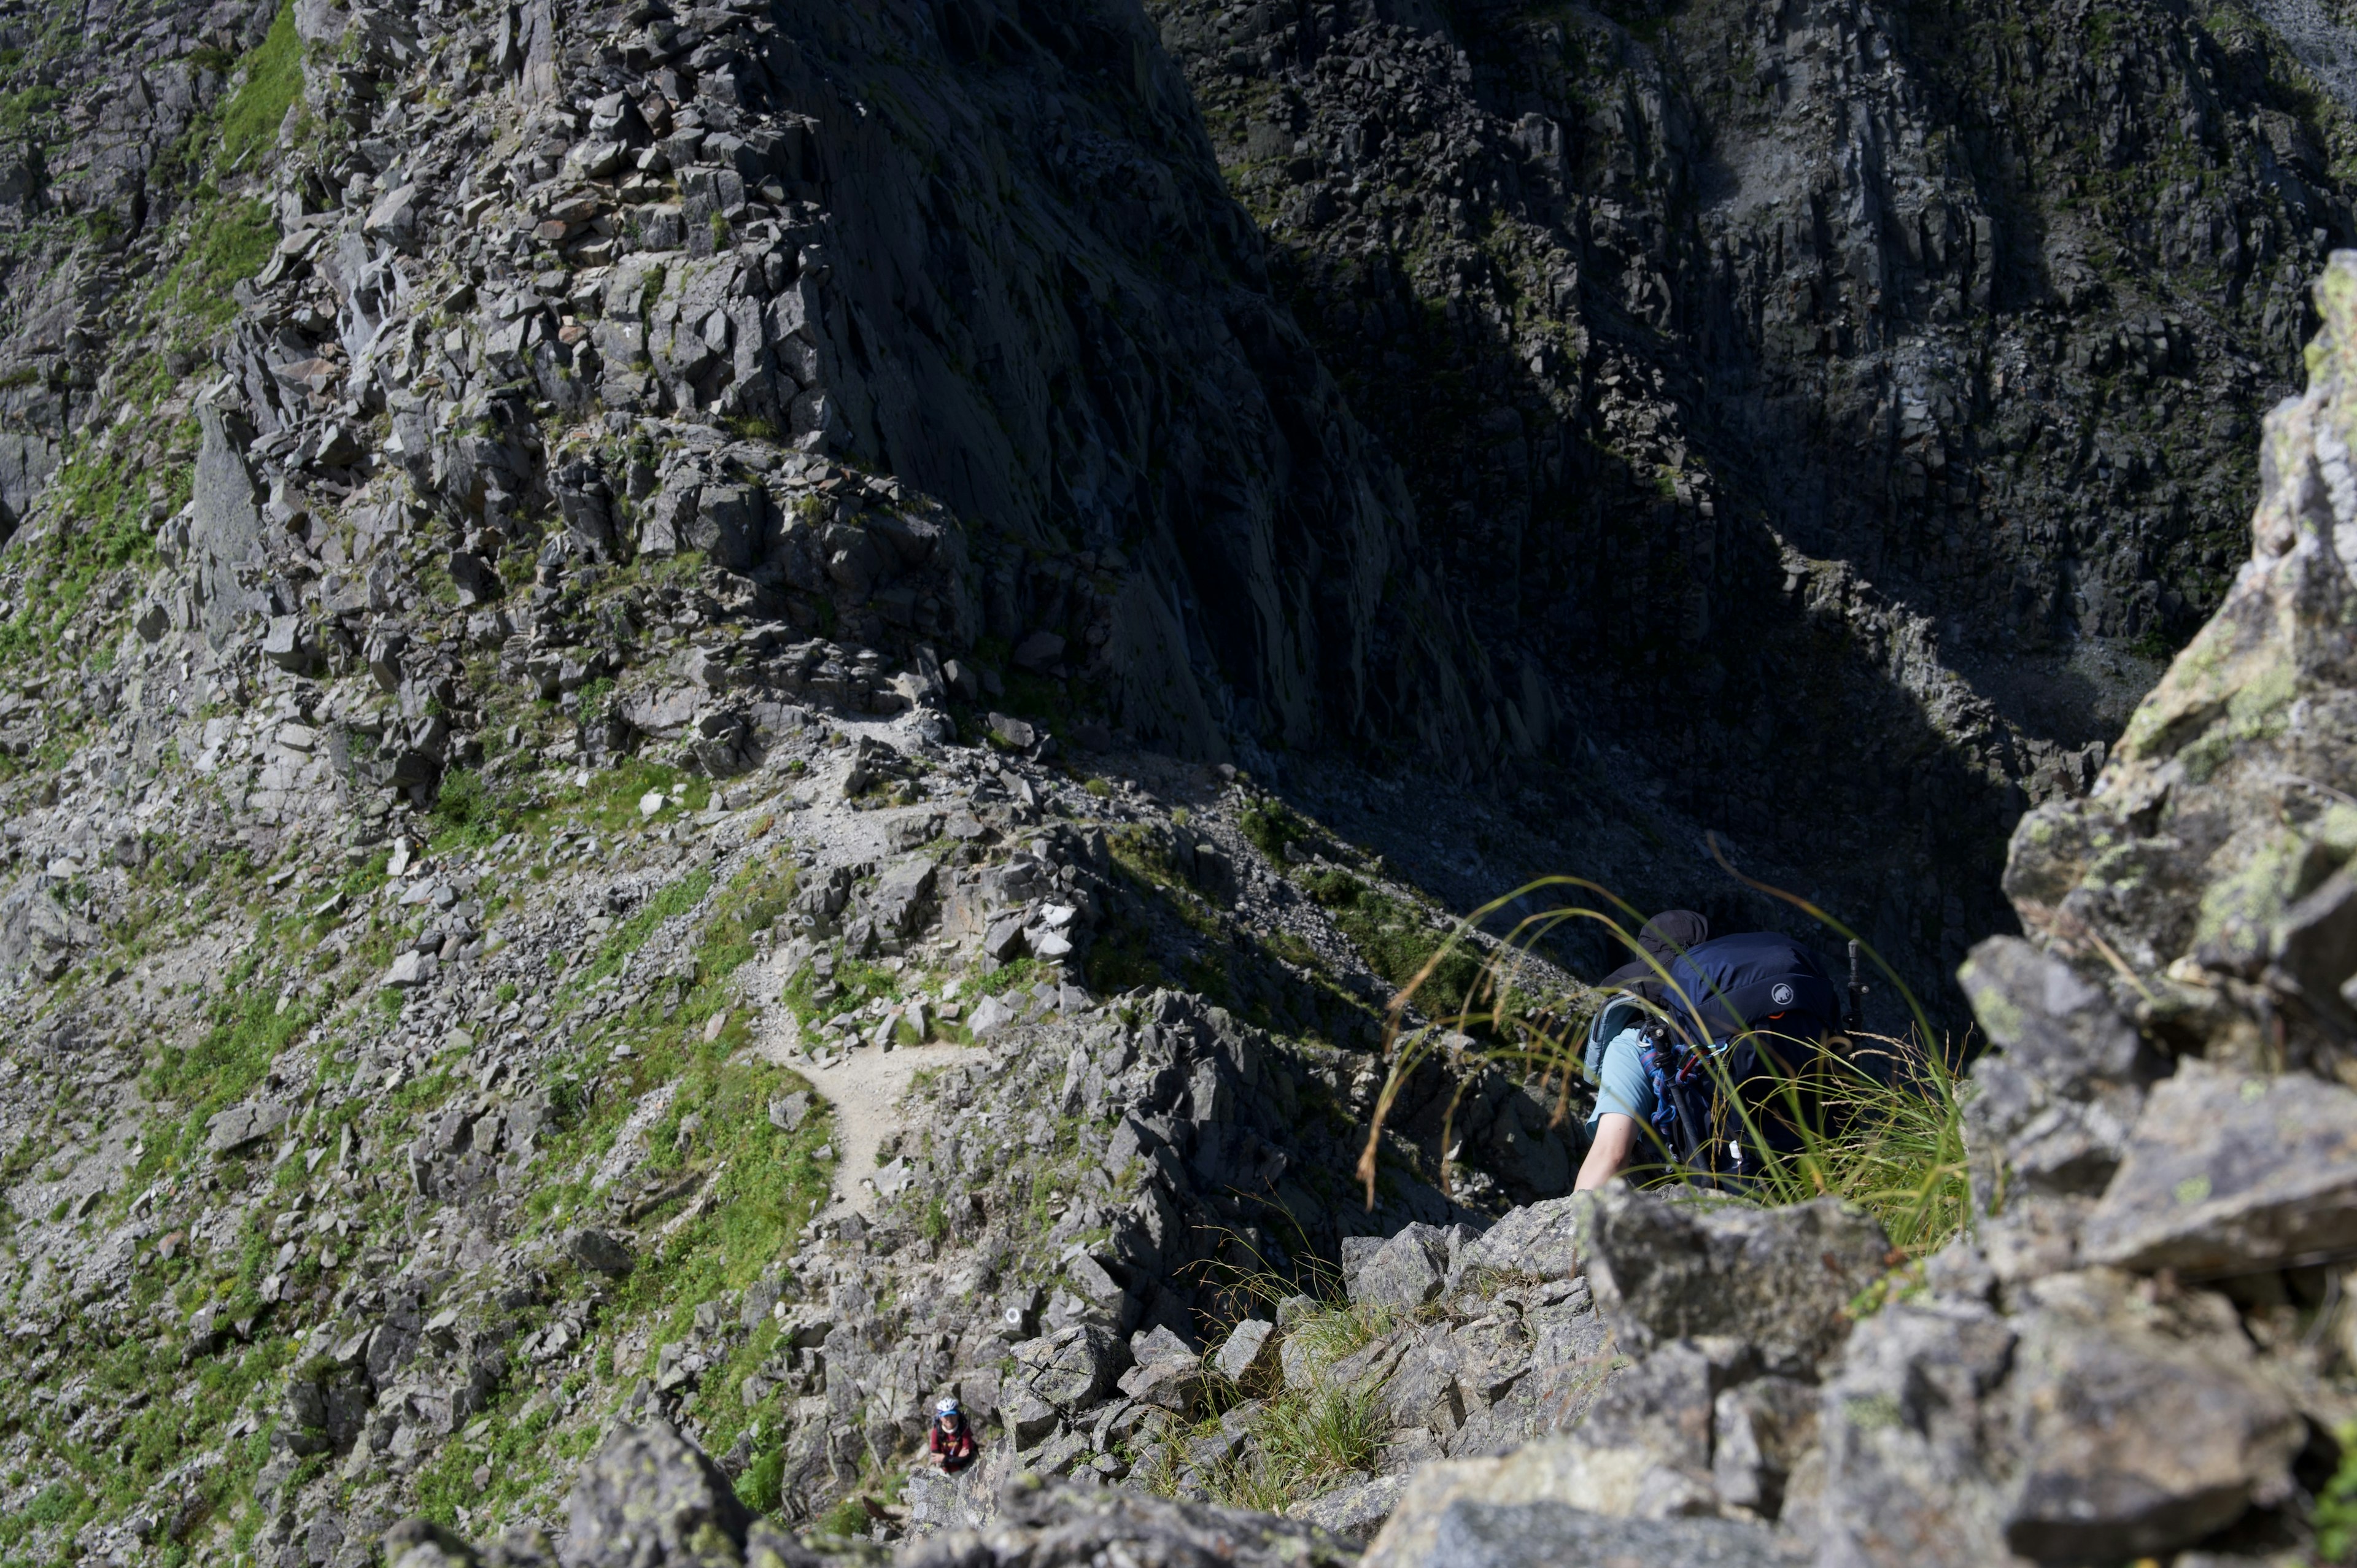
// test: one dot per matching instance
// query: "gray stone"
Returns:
(938, 1502)
(1915, 1470)
(2054, 1102)
(1661, 1408)
(37, 935)
(2231, 1172)
(596, 1250)
(1168, 1373)
(2312, 951)
(1555, 1535)
(421, 1543)
(1038, 652)
(1003, 938)
(284, 645)
(2143, 1424)
(1067, 1525)
(1537, 1240)
(652, 1500)
(1248, 1356)
(1759, 1430)
(1012, 731)
(242, 1126)
(1094, 1283)
(1354, 1512)
(1405, 1272)
(989, 1016)
(788, 1111)
(1069, 1369)
(225, 525)
(2048, 1020)
(899, 895)
(1777, 1279)
(411, 969)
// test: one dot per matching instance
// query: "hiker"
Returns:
(951, 1440)
(1741, 1011)
(1623, 1097)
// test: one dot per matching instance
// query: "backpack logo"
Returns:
(1780, 994)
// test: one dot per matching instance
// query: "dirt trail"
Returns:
(864, 1090)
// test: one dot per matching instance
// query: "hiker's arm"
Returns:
(1615, 1135)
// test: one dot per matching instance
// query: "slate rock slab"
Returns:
(1063, 1525)
(1069, 1368)
(1779, 1279)
(1915, 1470)
(242, 1126)
(1249, 1353)
(1354, 1512)
(2228, 1172)
(1405, 1272)
(596, 1250)
(1541, 1241)
(1552, 1535)
(2145, 1420)
(650, 1497)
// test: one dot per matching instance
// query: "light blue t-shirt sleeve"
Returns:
(1622, 1085)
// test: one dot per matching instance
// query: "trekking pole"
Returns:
(1857, 1019)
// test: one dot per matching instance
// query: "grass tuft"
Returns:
(273, 78)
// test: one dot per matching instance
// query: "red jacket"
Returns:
(954, 1449)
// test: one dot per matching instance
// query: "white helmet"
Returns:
(947, 1407)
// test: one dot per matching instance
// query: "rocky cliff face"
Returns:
(1860, 398)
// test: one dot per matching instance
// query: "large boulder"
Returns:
(1060, 1525)
(2144, 1423)
(1069, 1369)
(1405, 1272)
(2101, 1420)
(1537, 1240)
(1471, 1534)
(2232, 1173)
(1777, 1279)
(652, 1500)
(1915, 1469)
(1555, 1501)
(2054, 1101)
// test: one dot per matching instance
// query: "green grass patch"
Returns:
(673, 900)
(249, 1029)
(20, 111)
(857, 983)
(99, 505)
(467, 813)
(1271, 826)
(248, 123)
(609, 803)
(1302, 1444)
(1396, 943)
(2336, 1505)
(228, 242)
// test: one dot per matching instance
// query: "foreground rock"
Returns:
(650, 1499)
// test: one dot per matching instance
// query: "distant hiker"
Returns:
(952, 1441)
(1680, 1051)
